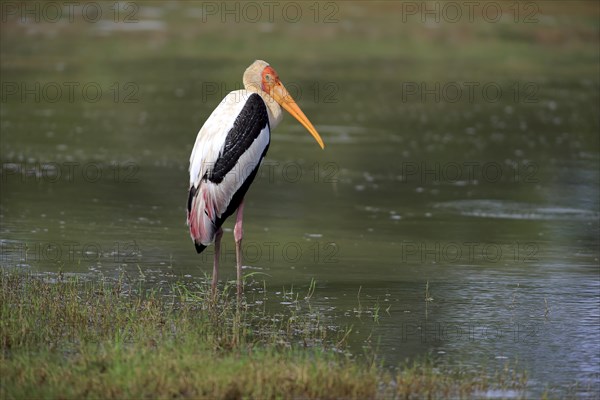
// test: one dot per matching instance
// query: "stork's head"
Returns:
(261, 76)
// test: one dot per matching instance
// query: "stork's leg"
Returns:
(238, 233)
(215, 279)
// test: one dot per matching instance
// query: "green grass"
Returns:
(65, 338)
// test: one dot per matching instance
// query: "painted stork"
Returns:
(227, 154)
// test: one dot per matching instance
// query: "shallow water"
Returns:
(491, 204)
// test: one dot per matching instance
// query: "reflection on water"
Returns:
(493, 205)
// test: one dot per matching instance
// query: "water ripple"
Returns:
(516, 210)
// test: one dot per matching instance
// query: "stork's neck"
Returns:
(273, 108)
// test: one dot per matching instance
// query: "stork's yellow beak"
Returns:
(282, 96)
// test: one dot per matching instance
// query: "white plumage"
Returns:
(227, 153)
(212, 199)
(212, 135)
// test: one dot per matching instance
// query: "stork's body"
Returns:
(227, 154)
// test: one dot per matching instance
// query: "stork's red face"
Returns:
(273, 86)
(269, 79)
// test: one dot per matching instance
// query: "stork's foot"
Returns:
(215, 277)
(238, 257)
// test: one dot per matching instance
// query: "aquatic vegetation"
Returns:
(69, 338)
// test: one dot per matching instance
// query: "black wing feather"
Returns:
(247, 126)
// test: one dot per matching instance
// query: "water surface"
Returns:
(491, 204)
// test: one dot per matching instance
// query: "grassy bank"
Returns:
(70, 339)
